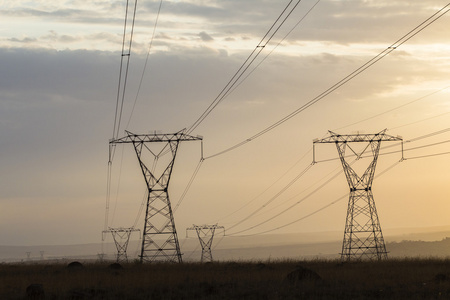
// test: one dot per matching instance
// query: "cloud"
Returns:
(205, 37)
(24, 40)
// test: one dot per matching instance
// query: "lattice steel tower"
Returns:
(363, 238)
(205, 234)
(121, 237)
(160, 240)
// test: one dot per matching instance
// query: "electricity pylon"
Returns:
(363, 238)
(205, 234)
(159, 238)
(121, 237)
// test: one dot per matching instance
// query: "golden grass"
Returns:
(391, 279)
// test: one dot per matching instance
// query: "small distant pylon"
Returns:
(121, 238)
(101, 257)
(42, 254)
(205, 234)
(363, 238)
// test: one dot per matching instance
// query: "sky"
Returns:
(59, 78)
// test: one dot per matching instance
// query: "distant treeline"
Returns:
(439, 249)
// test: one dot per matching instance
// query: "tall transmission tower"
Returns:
(121, 237)
(159, 238)
(363, 238)
(205, 234)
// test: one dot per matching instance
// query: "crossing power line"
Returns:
(416, 30)
(284, 15)
(272, 217)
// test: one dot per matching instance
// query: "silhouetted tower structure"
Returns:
(101, 257)
(363, 238)
(159, 238)
(121, 237)
(205, 234)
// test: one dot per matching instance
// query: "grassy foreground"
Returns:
(391, 279)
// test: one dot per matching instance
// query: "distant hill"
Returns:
(434, 242)
(420, 248)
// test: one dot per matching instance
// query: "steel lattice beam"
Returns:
(363, 238)
(155, 137)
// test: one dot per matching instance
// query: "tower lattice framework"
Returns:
(205, 235)
(159, 238)
(121, 237)
(363, 238)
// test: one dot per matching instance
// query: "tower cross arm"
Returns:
(155, 137)
(358, 137)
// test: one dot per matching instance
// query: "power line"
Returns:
(395, 108)
(126, 52)
(422, 120)
(188, 185)
(429, 135)
(271, 185)
(249, 61)
(297, 220)
(314, 212)
(343, 81)
(141, 208)
(285, 188)
(429, 155)
(397, 144)
(291, 206)
(320, 187)
(302, 192)
(145, 64)
(120, 98)
(274, 48)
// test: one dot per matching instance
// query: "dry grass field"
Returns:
(391, 279)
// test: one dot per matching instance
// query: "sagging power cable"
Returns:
(393, 109)
(287, 11)
(285, 188)
(314, 212)
(146, 62)
(291, 206)
(124, 68)
(343, 81)
(265, 190)
(120, 96)
(397, 144)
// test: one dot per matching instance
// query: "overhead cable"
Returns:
(120, 98)
(392, 109)
(287, 11)
(310, 214)
(188, 185)
(428, 155)
(343, 81)
(285, 188)
(271, 185)
(291, 206)
(124, 68)
(274, 48)
(422, 120)
(397, 144)
(146, 62)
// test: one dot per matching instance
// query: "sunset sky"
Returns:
(59, 78)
